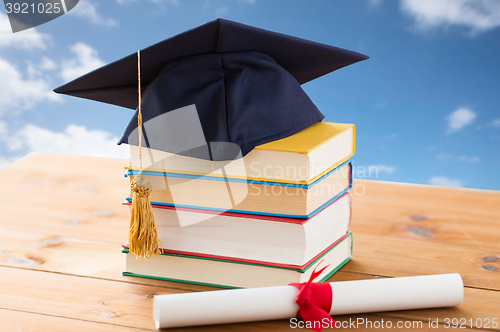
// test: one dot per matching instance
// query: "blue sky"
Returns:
(426, 104)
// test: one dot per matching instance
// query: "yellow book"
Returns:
(309, 139)
(300, 158)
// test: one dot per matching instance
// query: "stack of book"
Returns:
(266, 219)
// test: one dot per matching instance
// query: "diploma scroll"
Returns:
(348, 297)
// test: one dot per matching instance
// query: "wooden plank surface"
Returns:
(13, 320)
(62, 226)
(36, 250)
(128, 304)
(464, 217)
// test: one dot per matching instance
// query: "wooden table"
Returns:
(62, 226)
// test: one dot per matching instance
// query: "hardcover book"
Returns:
(300, 158)
(287, 241)
(224, 272)
(245, 196)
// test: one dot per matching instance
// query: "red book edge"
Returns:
(298, 221)
(250, 261)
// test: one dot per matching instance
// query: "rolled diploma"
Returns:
(349, 297)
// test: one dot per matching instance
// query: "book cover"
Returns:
(248, 196)
(300, 158)
(227, 273)
(287, 241)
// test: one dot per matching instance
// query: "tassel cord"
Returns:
(143, 234)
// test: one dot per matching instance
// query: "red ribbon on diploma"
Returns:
(314, 300)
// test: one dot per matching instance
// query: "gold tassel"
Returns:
(143, 235)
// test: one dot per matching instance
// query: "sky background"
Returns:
(426, 105)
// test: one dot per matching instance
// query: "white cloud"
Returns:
(173, 2)
(31, 39)
(447, 157)
(496, 123)
(18, 90)
(221, 10)
(459, 119)
(19, 93)
(381, 105)
(446, 182)
(87, 9)
(3, 129)
(474, 159)
(382, 168)
(47, 64)
(374, 3)
(86, 60)
(391, 136)
(75, 139)
(35, 71)
(6, 161)
(477, 15)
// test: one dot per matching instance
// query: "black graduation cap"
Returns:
(244, 82)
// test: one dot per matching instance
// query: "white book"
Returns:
(256, 238)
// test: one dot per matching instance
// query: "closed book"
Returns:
(225, 272)
(247, 196)
(300, 158)
(279, 240)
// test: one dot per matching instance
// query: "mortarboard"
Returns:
(244, 81)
